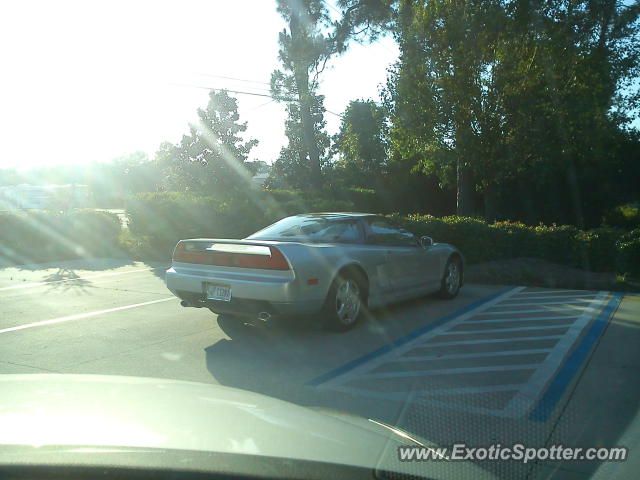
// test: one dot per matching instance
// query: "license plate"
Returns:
(218, 292)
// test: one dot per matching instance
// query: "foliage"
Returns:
(211, 157)
(155, 233)
(30, 237)
(628, 250)
(361, 144)
(625, 216)
(304, 52)
(601, 249)
(511, 92)
(292, 168)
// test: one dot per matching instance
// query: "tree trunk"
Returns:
(576, 198)
(490, 203)
(301, 75)
(465, 190)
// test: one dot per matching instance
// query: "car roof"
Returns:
(336, 214)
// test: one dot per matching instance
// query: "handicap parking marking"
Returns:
(484, 359)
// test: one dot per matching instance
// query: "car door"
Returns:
(404, 258)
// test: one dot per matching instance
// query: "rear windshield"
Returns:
(312, 229)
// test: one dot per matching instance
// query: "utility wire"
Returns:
(234, 78)
(331, 7)
(239, 92)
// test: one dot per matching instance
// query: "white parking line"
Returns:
(492, 340)
(431, 366)
(532, 310)
(88, 277)
(453, 356)
(535, 298)
(524, 319)
(81, 315)
(449, 371)
(505, 330)
(568, 292)
(521, 402)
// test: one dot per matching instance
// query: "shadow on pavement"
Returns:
(66, 279)
(92, 264)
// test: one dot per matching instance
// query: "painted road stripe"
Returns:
(464, 390)
(448, 371)
(558, 385)
(535, 298)
(82, 315)
(522, 319)
(535, 292)
(534, 310)
(414, 396)
(490, 340)
(503, 330)
(453, 356)
(564, 302)
(88, 277)
(411, 336)
(522, 401)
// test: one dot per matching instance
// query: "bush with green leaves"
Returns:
(42, 236)
(624, 216)
(628, 250)
(159, 220)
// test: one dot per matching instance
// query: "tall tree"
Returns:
(210, 159)
(489, 92)
(305, 49)
(292, 168)
(361, 143)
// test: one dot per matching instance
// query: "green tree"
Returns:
(305, 48)
(361, 144)
(492, 94)
(292, 168)
(211, 158)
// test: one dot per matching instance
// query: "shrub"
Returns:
(43, 236)
(598, 248)
(628, 249)
(623, 216)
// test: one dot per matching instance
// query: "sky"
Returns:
(92, 81)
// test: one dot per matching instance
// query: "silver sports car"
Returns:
(331, 264)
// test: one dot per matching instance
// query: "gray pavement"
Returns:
(496, 364)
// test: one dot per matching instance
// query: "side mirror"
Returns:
(426, 241)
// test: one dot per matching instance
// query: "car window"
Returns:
(382, 232)
(312, 229)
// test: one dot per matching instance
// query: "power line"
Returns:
(331, 7)
(234, 78)
(239, 92)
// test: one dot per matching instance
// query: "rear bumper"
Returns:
(250, 295)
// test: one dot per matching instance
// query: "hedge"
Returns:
(159, 220)
(601, 249)
(41, 236)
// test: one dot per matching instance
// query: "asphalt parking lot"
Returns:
(497, 364)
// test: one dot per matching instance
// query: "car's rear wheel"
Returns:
(344, 304)
(451, 279)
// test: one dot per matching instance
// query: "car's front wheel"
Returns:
(344, 304)
(451, 279)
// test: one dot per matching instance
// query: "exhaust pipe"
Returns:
(186, 303)
(264, 316)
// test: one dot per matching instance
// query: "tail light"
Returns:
(259, 256)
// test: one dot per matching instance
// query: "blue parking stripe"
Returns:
(558, 385)
(401, 341)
